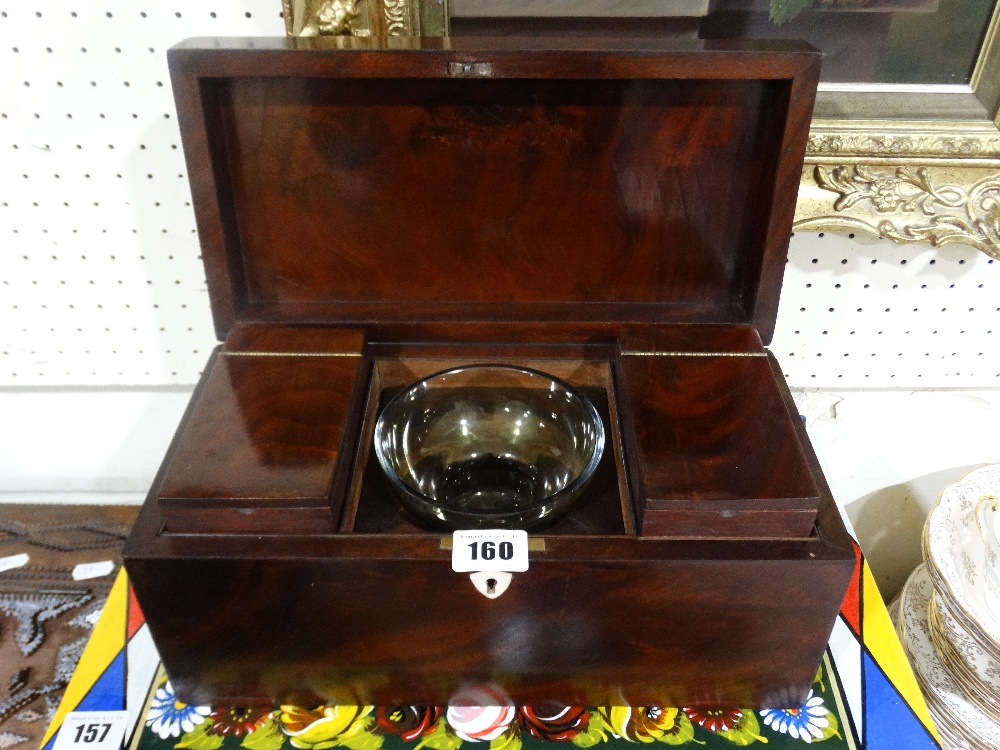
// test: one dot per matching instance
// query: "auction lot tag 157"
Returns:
(489, 549)
(92, 730)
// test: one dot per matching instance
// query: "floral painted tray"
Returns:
(864, 696)
(170, 725)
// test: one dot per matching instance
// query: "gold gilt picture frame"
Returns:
(378, 18)
(918, 164)
(912, 163)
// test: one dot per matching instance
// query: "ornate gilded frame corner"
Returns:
(908, 182)
(366, 18)
(915, 175)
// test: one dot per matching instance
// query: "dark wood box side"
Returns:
(199, 116)
(388, 622)
(837, 530)
(713, 629)
(787, 176)
(717, 615)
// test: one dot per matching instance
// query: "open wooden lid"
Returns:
(493, 179)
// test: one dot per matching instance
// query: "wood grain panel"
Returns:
(302, 339)
(265, 433)
(715, 441)
(349, 185)
(594, 621)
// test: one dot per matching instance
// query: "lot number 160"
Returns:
(489, 550)
(480, 550)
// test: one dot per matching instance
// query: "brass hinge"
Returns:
(470, 69)
(535, 543)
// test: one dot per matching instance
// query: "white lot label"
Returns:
(92, 730)
(489, 549)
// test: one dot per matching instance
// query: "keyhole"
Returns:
(491, 584)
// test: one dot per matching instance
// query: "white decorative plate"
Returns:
(954, 553)
(975, 672)
(947, 701)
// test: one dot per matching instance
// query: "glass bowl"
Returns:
(489, 446)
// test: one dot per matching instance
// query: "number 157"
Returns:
(91, 732)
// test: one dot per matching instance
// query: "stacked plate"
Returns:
(952, 639)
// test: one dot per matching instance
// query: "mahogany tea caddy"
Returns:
(613, 213)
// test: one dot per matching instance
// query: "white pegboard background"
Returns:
(861, 312)
(101, 281)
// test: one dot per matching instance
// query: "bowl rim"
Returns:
(582, 478)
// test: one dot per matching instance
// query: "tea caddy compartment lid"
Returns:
(497, 180)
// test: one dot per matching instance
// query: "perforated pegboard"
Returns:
(101, 279)
(859, 312)
(101, 283)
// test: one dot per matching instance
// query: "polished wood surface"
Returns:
(656, 182)
(301, 339)
(612, 211)
(711, 622)
(517, 180)
(595, 620)
(716, 448)
(262, 446)
(705, 430)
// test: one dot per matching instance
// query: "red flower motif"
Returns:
(409, 722)
(235, 721)
(553, 722)
(714, 719)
